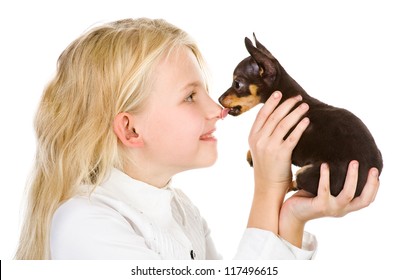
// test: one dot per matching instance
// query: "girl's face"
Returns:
(178, 122)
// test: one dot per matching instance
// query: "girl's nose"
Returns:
(214, 110)
(211, 108)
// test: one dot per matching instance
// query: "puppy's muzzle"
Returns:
(238, 105)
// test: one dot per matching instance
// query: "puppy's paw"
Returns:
(293, 187)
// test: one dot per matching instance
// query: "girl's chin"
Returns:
(208, 161)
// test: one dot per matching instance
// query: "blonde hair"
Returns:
(105, 71)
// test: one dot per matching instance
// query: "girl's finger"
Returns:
(369, 192)
(324, 191)
(266, 111)
(295, 135)
(290, 121)
(282, 119)
(349, 188)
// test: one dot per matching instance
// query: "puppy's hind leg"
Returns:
(294, 186)
(307, 178)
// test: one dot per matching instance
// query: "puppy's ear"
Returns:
(265, 63)
(262, 48)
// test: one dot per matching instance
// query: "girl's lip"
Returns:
(208, 136)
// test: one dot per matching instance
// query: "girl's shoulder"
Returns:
(82, 211)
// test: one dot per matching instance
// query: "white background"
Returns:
(349, 54)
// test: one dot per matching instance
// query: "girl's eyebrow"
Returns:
(192, 85)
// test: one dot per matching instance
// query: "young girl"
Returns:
(127, 110)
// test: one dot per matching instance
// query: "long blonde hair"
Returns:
(104, 72)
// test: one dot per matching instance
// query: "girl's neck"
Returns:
(154, 178)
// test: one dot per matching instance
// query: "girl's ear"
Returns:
(125, 130)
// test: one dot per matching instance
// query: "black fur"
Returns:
(335, 135)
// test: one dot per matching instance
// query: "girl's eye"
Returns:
(191, 97)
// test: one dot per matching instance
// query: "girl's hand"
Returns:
(271, 156)
(302, 206)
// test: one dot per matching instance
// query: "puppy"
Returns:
(334, 135)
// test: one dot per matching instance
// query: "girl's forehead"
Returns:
(179, 55)
(174, 74)
(180, 67)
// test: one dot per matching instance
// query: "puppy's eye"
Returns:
(236, 84)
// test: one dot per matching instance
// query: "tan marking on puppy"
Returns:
(293, 187)
(302, 169)
(249, 158)
(261, 71)
(229, 99)
(253, 89)
(246, 102)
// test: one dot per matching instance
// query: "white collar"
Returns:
(152, 201)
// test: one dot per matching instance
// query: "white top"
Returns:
(128, 219)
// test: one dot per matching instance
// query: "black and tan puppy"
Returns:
(335, 136)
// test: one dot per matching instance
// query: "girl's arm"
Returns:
(271, 156)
